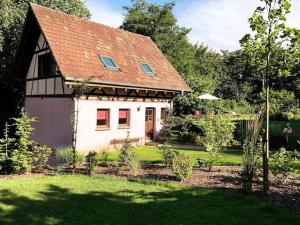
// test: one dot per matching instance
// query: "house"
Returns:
(129, 84)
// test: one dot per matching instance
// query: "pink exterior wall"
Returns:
(53, 127)
(89, 138)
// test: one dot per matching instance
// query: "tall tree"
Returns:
(272, 49)
(12, 17)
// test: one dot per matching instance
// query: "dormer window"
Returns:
(46, 65)
(108, 62)
(147, 68)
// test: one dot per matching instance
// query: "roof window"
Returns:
(108, 62)
(147, 68)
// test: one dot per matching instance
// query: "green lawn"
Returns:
(95, 200)
(151, 154)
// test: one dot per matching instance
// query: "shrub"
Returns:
(134, 165)
(282, 162)
(6, 149)
(90, 161)
(41, 155)
(65, 156)
(178, 129)
(22, 156)
(252, 149)
(202, 163)
(182, 167)
(102, 157)
(217, 135)
(126, 152)
(168, 153)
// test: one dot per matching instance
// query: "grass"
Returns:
(151, 154)
(78, 199)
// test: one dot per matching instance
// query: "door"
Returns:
(149, 123)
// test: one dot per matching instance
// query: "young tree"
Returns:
(272, 49)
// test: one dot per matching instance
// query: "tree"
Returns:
(272, 51)
(12, 17)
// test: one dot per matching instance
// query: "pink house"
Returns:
(130, 84)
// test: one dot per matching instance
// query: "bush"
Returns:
(134, 165)
(65, 156)
(168, 153)
(90, 161)
(252, 149)
(22, 156)
(217, 135)
(282, 162)
(102, 157)
(182, 167)
(41, 155)
(126, 152)
(178, 129)
(202, 163)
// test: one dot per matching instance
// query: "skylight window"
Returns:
(108, 62)
(147, 68)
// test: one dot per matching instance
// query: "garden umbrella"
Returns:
(208, 97)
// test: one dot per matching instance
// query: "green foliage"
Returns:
(126, 152)
(217, 135)
(65, 156)
(6, 150)
(128, 158)
(182, 167)
(281, 103)
(134, 165)
(282, 162)
(40, 155)
(252, 149)
(102, 156)
(168, 153)
(22, 154)
(178, 129)
(90, 161)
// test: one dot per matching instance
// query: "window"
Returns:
(124, 117)
(103, 118)
(108, 62)
(147, 68)
(163, 114)
(46, 65)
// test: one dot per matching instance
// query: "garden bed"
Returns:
(227, 178)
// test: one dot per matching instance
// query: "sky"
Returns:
(218, 23)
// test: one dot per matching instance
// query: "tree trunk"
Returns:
(266, 146)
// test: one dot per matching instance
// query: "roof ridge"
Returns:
(89, 21)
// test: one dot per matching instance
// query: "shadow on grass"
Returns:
(60, 206)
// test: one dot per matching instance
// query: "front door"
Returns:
(149, 122)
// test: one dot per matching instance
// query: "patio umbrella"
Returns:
(208, 97)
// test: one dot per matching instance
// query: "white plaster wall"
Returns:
(88, 138)
(53, 127)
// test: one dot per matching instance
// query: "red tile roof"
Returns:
(76, 45)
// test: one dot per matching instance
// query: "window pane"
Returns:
(46, 65)
(124, 116)
(103, 117)
(163, 114)
(147, 68)
(108, 62)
